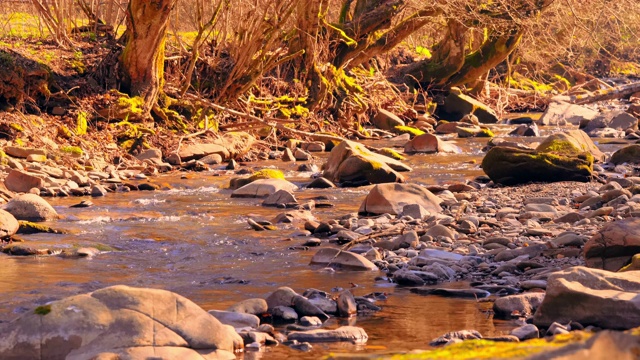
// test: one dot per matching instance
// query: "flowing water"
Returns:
(194, 240)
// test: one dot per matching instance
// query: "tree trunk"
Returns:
(142, 60)
(448, 58)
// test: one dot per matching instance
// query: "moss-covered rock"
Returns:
(239, 182)
(408, 130)
(573, 142)
(510, 166)
(628, 154)
(388, 152)
(27, 227)
(457, 105)
(351, 164)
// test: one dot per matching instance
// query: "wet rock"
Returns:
(301, 155)
(392, 198)
(118, 321)
(263, 188)
(591, 297)
(31, 207)
(311, 321)
(346, 304)
(342, 259)
(287, 155)
(526, 130)
(628, 154)
(280, 198)
(236, 319)
(328, 306)
(413, 278)
(386, 120)
(293, 216)
(305, 308)
(455, 336)
(561, 113)
(352, 163)
(457, 105)
(250, 306)
(429, 143)
(283, 296)
(521, 304)
(148, 186)
(343, 333)
(454, 293)
(614, 245)
(284, 313)
(98, 190)
(20, 181)
(526, 332)
(8, 225)
(321, 183)
(616, 120)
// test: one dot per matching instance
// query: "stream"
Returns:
(194, 240)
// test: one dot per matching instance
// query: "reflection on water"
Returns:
(194, 240)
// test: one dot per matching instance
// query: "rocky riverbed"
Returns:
(525, 253)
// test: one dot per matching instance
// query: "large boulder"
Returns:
(562, 113)
(510, 166)
(342, 259)
(31, 207)
(591, 297)
(118, 322)
(457, 105)
(628, 154)
(429, 143)
(263, 188)
(352, 163)
(20, 181)
(614, 245)
(8, 225)
(392, 198)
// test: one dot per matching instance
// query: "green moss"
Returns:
(239, 182)
(42, 310)
(486, 349)
(73, 150)
(408, 130)
(558, 146)
(134, 105)
(81, 123)
(486, 133)
(16, 127)
(391, 153)
(267, 174)
(27, 227)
